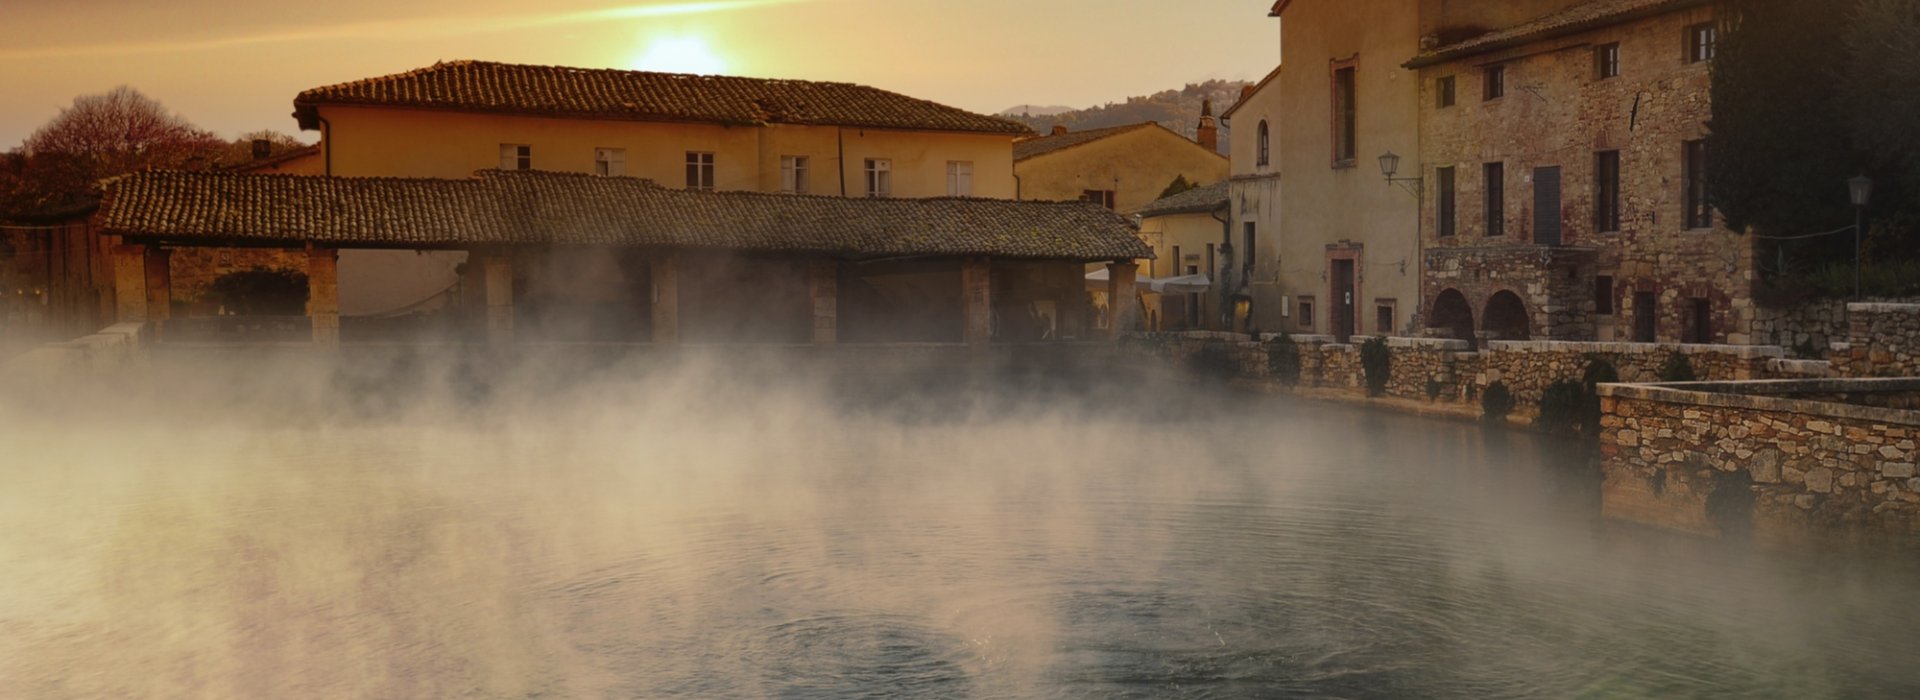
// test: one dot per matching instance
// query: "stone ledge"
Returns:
(1881, 307)
(1804, 368)
(1447, 344)
(1740, 351)
(1765, 395)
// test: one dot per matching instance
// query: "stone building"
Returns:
(1563, 174)
(1122, 167)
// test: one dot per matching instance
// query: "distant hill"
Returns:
(1178, 110)
(1034, 110)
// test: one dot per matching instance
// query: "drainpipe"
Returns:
(326, 143)
(840, 143)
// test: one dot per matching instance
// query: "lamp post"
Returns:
(1860, 190)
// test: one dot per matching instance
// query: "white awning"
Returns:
(1186, 284)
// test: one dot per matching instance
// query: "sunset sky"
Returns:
(233, 69)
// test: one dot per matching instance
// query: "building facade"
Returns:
(1123, 167)
(1185, 231)
(1564, 164)
(715, 133)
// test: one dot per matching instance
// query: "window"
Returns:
(1247, 254)
(699, 170)
(1700, 321)
(1606, 61)
(1699, 213)
(793, 174)
(1261, 145)
(1700, 42)
(1645, 323)
(515, 156)
(959, 178)
(1495, 175)
(611, 162)
(1494, 83)
(1306, 313)
(1603, 295)
(1383, 316)
(879, 177)
(1606, 191)
(1345, 117)
(1101, 197)
(1443, 92)
(1443, 216)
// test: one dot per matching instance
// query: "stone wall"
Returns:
(1810, 328)
(1883, 341)
(1713, 457)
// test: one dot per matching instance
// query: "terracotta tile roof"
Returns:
(1573, 20)
(537, 208)
(480, 86)
(1204, 198)
(1042, 145)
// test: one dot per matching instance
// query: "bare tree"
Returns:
(100, 136)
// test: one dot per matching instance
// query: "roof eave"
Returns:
(1444, 55)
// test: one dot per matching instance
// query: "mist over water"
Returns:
(435, 524)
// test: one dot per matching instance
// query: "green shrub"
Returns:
(1561, 405)
(1599, 371)
(1215, 361)
(1496, 402)
(1283, 359)
(1677, 369)
(1377, 361)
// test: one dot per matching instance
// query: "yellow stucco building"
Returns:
(1122, 167)
(701, 132)
(1185, 231)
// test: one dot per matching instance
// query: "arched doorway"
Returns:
(1452, 312)
(1506, 317)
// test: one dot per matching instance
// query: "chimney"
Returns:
(262, 149)
(1208, 135)
(1059, 129)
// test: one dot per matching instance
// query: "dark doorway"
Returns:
(1644, 321)
(1506, 317)
(1546, 206)
(1452, 312)
(1343, 299)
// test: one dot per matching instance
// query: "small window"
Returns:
(1443, 92)
(793, 174)
(1345, 118)
(1306, 313)
(879, 177)
(1383, 322)
(1101, 197)
(1249, 253)
(1606, 191)
(1699, 212)
(611, 162)
(1494, 83)
(1700, 320)
(959, 178)
(1645, 322)
(1495, 175)
(1701, 39)
(1603, 295)
(1444, 220)
(1261, 141)
(699, 170)
(1606, 61)
(514, 156)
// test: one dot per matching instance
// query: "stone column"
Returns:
(130, 283)
(823, 289)
(323, 295)
(1123, 304)
(159, 271)
(499, 282)
(976, 296)
(666, 299)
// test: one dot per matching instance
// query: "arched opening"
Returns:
(1506, 317)
(1452, 312)
(1260, 157)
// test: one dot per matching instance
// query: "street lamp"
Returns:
(1390, 165)
(1860, 190)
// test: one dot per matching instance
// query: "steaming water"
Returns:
(692, 537)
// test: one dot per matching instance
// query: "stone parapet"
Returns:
(1884, 341)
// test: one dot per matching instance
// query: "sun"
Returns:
(680, 54)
